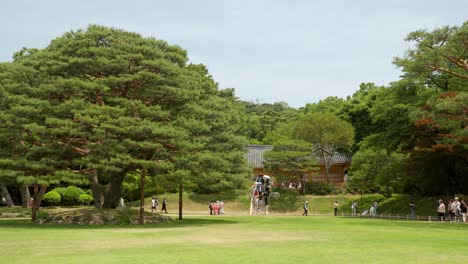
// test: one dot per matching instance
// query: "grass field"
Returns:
(238, 239)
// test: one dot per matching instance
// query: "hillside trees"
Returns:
(262, 118)
(327, 133)
(437, 134)
(421, 126)
(440, 57)
(110, 102)
(314, 136)
(438, 144)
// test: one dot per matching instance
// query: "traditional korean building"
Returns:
(337, 173)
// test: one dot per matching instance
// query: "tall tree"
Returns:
(115, 102)
(438, 144)
(260, 119)
(440, 57)
(290, 160)
(327, 133)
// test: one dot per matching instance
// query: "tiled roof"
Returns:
(338, 158)
(255, 157)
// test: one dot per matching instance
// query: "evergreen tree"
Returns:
(99, 103)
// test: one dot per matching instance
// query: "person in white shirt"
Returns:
(154, 206)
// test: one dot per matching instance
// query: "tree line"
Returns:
(409, 136)
(99, 104)
(114, 111)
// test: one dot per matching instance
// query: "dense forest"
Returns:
(103, 108)
(410, 136)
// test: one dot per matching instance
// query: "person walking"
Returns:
(210, 206)
(451, 210)
(221, 207)
(122, 203)
(156, 205)
(463, 210)
(306, 208)
(457, 209)
(164, 206)
(354, 208)
(335, 207)
(215, 208)
(441, 210)
(412, 210)
(153, 205)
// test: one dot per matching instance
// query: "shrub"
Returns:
(42, 215)
(52, 198)
(319, 188)
(85, 199)
(60, 190)
(71, 195)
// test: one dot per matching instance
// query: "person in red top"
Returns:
(215, 208)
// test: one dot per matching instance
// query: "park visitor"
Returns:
(451, 210)
(153, 205)
(306, 208)
(221, 207)
(215, 208)
(457, 209)
(463, 210)
(164, 206)
(210, 206)
(412, 210)
(335, 206)
(122, 203)
(156, 202)
(354, 208)
(441, 210)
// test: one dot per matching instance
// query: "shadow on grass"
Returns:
(206, 198)
(187, 222)
(411, 224)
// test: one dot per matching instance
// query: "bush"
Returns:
(42, 215)
(71, 195)
(60, 190)
(85, 199)
(52, 198)
(319, 188)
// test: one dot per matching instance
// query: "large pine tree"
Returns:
(98, 103)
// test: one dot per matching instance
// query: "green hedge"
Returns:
(85, 199)
(71, 195)
(52, 198)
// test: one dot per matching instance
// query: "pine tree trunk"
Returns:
(40, 195)
(6, 194)
(25, 195)
(303, 178)
(141, 220)
(96, 189)
(180, 200)
(113, 193)
(34, 204)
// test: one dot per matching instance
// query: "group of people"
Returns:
(373, 210)
(261, 191)
(216, 207)
(291, 185)
(155, 205)
(455, 208)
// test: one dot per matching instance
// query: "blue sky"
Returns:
(293, 51)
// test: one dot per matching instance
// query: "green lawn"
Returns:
(238, 239)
